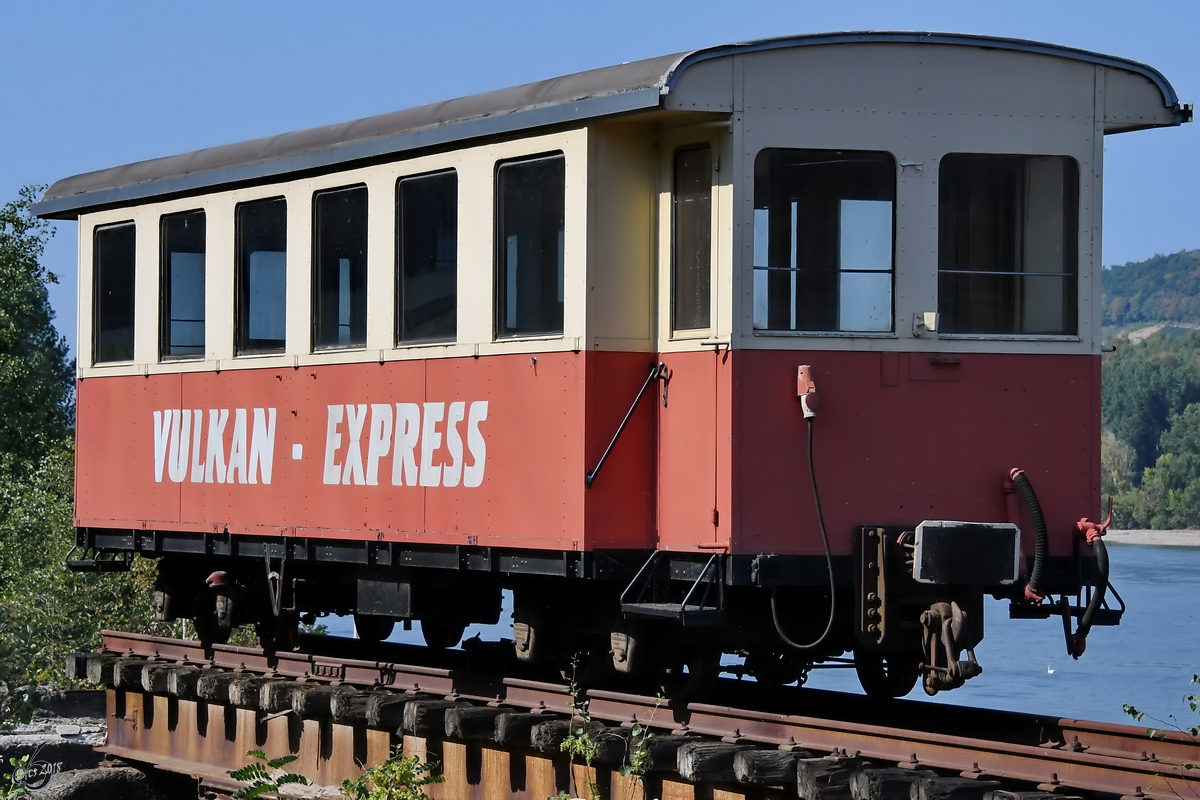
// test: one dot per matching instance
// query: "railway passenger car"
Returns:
(568, 339)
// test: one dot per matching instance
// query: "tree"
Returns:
(36, 375)
(1144, 385)
(1171, 488)
(45, 611)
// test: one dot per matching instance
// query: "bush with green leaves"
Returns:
(1192, 703)
(265, 775)
(401, 777)
(13, 785)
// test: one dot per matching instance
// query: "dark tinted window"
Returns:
(530, 207)
(1008, 237)
(692, 247)
(427, 257)
(112, 293)
(340, 268)
(262, 276)
(823, 240)
(182, 305)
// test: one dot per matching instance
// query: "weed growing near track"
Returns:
(401, 777)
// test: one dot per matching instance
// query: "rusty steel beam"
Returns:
(1050, 752)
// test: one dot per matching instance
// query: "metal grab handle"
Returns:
(656, 372)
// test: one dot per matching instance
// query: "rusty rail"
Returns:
(1049, 752)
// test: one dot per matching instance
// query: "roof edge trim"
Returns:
(434, 136)
(1170, 99)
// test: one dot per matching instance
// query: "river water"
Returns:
(1146, 661)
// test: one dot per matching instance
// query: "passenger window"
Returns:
(1008, 237)
(262, 276)
(691, 267)
(340, 268)
(530, 210)
(182, 285)
(112, 293)
(427, 257)
(823, 242)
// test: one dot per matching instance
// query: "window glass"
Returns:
(340, 268)
(823, 252)
(531, 202)
(692, 231)
(1008, 244)
(427, 257)
(182, 307)
(112, 292)
(262, 276)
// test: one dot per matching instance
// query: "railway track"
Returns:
(181, 708)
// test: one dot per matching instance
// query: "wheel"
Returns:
(373, 629)
(590, 668)
(691, 676)
(214, 620)
(279, 634)
(887, 673)
(773, 668)
(442, 633)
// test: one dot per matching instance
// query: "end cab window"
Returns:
(1008, 259)
(112, 293)
(823, 240)
(182, 285)
(262, 276)
(530, 215)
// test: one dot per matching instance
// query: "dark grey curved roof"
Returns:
(635, 86)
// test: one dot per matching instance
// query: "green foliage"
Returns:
(638, 758)
(36, 376)
(1169, 496)
(15, 779)
(265, 775)
(401, 777)
(1145, 384)
(1191, 701)
(45, 611)
(1159, 289)
(580, 743)
(1150, 449)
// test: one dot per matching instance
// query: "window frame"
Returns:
(893, 271)
(239, 350)
(1073, 222)
(97, 230)
(314, 265)
(499, 279)
(672, 284)
(398, 265)
(164, 288)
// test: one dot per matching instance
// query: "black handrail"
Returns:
(656, 372)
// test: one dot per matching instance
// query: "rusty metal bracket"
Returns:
(874, 610)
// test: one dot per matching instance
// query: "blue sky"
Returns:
(91, 85)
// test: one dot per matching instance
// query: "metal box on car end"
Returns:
(967, 553)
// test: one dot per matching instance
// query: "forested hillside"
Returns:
(1151, 394)
(1151, 446)
(1159, 289)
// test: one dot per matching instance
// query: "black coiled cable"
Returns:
(828, 563)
